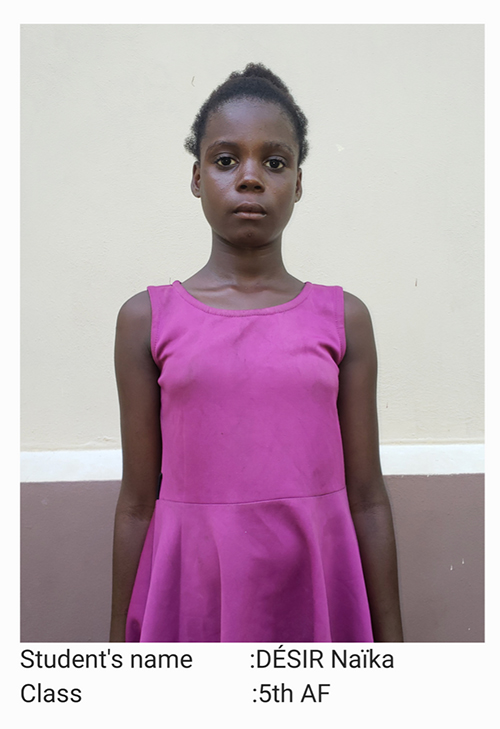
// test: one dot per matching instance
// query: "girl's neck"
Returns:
(244, 267)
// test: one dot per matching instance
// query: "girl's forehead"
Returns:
(243, 118)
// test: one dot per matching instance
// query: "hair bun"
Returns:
(261, 71)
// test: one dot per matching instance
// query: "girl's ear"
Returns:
(195, 180)
(298, 187)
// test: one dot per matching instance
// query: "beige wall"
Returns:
(392, 208)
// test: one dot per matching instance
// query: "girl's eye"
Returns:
(275, 163)
(225, 161)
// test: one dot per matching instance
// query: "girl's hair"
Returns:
(255, 82)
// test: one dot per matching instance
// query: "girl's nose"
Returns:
(250, 179)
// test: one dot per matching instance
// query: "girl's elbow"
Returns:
(368, 495)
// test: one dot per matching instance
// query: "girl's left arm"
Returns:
(368, 500)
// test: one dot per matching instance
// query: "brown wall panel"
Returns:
(439, 522)
(66, 541)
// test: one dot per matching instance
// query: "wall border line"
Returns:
(397, 460)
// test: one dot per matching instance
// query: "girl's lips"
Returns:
(249, 216)
(250, 211)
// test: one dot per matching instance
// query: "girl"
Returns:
(253, 395)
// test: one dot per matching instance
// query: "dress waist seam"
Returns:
(254, 501)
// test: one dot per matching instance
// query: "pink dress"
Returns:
(252, 538)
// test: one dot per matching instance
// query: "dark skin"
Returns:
(248, 181)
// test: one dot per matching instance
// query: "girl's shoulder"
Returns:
(137, 308)
(134, 320)
(358, 325)
(354, 308)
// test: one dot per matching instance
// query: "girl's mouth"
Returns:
(250, 211)
(250, 216)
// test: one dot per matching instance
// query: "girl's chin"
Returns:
(248, 241)
(246, 236)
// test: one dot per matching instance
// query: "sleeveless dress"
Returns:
(251, 538)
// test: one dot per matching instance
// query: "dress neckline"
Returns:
(303, 294)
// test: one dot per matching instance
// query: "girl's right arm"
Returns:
(139, 396)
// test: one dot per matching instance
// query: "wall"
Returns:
(392, 206)
(66, 593)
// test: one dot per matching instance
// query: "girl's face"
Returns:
(248, 177)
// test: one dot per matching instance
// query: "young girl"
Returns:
(250, 397)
